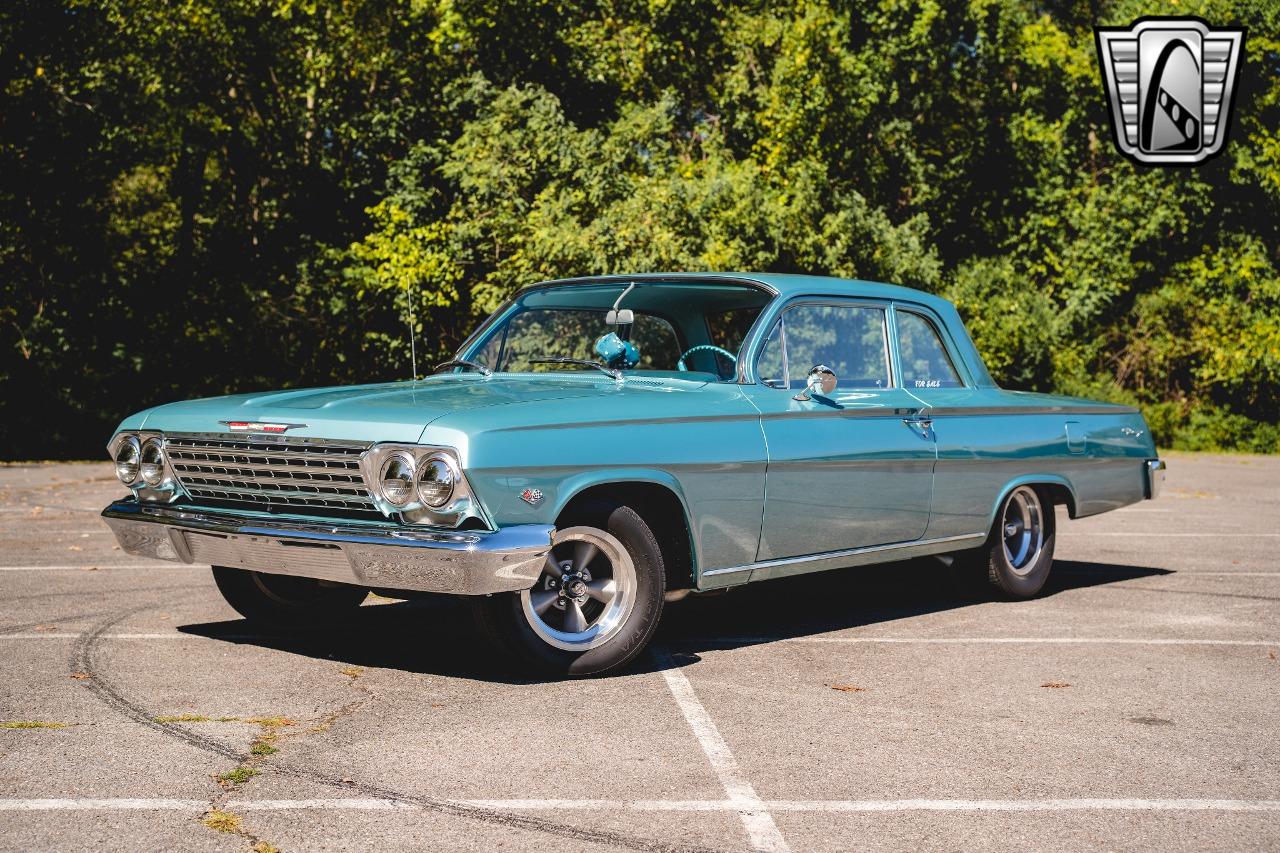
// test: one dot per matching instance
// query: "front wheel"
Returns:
(596, 603)
(1018, 555)
(283, 601)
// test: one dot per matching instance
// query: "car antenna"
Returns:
(413, 350)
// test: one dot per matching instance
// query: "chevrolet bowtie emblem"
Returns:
(259, 426)
(1170, 84)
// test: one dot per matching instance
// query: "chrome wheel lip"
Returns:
(606, 625)
(1022, 530)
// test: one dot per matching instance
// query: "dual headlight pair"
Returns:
(140, 463)
(421, 483)
(433, 480)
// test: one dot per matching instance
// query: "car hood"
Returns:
(396, 411)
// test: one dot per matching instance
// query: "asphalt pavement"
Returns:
(1132, 706)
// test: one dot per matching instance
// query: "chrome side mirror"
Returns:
(821, 382)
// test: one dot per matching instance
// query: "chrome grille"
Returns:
(313, 477)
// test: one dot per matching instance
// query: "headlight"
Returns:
(397, 479)
(152, 462)
(436, 481)
(127, 460)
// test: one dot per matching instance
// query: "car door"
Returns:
(977, 453)
(849, 469)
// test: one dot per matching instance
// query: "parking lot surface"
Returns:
(1132, 706)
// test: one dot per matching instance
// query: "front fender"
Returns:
(551, 489)
(574, 485)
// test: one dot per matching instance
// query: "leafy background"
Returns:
(207, 196)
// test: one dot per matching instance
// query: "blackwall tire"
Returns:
(1017, 558)
(284, 601)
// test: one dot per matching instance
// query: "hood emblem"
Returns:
(532, 497)
(259, 426)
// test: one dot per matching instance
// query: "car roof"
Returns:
(783, 284)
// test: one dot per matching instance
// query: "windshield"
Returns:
(684, 328)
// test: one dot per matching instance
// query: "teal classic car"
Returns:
(600, 446)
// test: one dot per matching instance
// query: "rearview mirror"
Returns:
(620, 317)
(821, 382)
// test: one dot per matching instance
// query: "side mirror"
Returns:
(821, 382)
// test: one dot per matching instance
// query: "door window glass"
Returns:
(924, 360)
(849, 339)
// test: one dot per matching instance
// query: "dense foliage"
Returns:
(204, 196)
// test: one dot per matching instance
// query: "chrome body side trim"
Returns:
(975, 411)
(786, 562)
(377, 555)
(1155, 477)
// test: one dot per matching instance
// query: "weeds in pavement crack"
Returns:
(220, 820)
(264, 744)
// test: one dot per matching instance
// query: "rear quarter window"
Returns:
(922, 355)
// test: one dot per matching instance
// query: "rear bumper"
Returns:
(1155, 477)
(459, 562)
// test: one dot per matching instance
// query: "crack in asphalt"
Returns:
(84, 659)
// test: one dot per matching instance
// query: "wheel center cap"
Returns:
(575, 588)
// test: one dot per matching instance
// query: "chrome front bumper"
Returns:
(1155, 477)
(464, 562)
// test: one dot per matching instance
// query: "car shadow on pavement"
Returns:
(436, 635)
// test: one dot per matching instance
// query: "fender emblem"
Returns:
(258, 426)
(532, 497)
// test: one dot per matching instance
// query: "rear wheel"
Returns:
(1018, 555)
(596, 603)
(286, 601)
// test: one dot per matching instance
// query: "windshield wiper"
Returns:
(462, 362)
(581, 362)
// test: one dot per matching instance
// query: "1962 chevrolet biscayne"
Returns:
(601, 445)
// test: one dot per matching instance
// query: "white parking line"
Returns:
(1228, 574)
(1180, 573)
(1023, 805)
(762, 832)
(731, 805)
(1065, 641)
(70, 567)
(55, 634)
(1223, 534)
(118, 804)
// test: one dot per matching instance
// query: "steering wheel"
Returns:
(680, 365)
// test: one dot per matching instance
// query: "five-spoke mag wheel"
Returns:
(1022, 529)
(585, 592)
